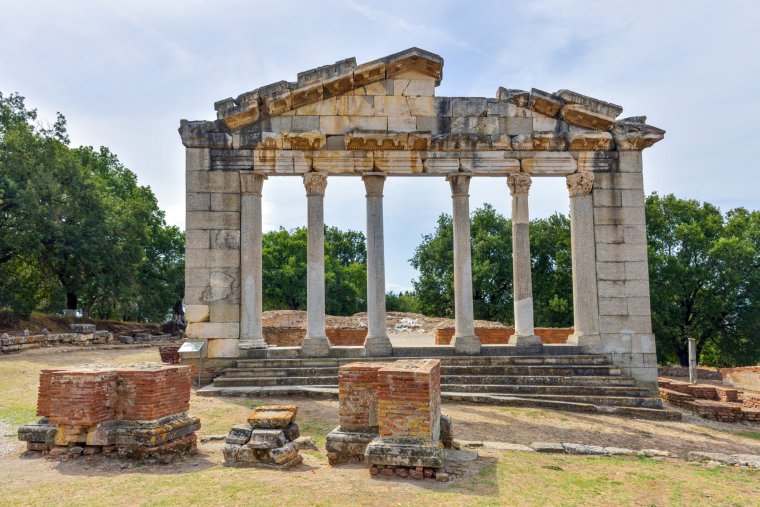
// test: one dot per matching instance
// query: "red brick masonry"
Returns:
(709, 401)
(357, 392)
(87, 397)
(500, 335)
(409, 400)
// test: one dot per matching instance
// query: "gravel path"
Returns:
(8, 440)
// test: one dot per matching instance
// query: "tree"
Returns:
(491, 243)
(284, 270)
(77, 230)
(405, 301)
(704, 271)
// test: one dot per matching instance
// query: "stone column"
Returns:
(377, 342)
(585, 300)
(315, 343)
(251, 300)
(465, 341)
(525, 335)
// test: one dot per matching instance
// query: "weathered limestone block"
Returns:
(589, 141)
(402, 123)
(212, 181)
(469, 106)
(202, 330)
(266, 438)
(327, 107)
(440, 163)
(544, 102)
(544, 124)
(398, 162)
(307, 94)
(226, 239)
(368, 73)
(224, 284)
(577, 114)
(600, 107)
(516, 126)
(197, 159)
(475, 125)
(198, 202)
(38, 433)
(347, 446)
(212, 220)
(489, 163)
(391, 106)
(223, 347)
(380, 452)
(549, 141)
(355, 105)
(284, 454)
(549, 164)
(414, 87)
(196, 276)
(291, 431)
(204, 134)
(376, 141)
(220, 312)
(197, 313)
(343, 161)
(272, 416)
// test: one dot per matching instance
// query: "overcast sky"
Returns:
(125, 73)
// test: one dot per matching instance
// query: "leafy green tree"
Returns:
(76, 230)
(491, 242)
(405, 301)
(284, 270)
(704, 270)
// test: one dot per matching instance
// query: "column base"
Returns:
(315, 346)
(378, 346)
(466, 344)
(590, 341)
(523, 340)
(255, 343)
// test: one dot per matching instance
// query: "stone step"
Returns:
(577, 360)
(526, 402)
(303, 371)
(616, 401)
(565, 369)
(320, 371)
(529, 390)
(538, 380)
(276, 381)
(493, 399)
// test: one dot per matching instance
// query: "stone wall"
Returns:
(500, 335)
(280, 336)
(625, 322)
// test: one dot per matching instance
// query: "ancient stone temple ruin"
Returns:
(382, 119)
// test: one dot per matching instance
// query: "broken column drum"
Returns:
(381, 119)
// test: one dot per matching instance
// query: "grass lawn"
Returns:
(498, 478)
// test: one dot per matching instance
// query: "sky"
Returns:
(125, 73)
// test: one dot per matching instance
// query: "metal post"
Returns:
(692, 361)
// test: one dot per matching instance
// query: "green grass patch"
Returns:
(755, 435)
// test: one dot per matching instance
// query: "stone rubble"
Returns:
(270, 439)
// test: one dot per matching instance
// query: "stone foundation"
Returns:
(710, 402)
(268, 440)
(136, 411)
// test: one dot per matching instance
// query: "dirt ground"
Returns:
(486, 481)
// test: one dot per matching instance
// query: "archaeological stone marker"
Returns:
(382, 119)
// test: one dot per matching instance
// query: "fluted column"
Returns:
(315, 343)
(377, 342)
(251, 300)
(465, 341)
(585, 301)
(519, 185)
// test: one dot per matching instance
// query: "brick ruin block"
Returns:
(409, 401)
(390, 415)
(137, 411)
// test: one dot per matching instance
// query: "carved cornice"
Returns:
(519, 184)
(315, 184)
(580, 184)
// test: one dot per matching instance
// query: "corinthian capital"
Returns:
(519, 183)
(251, 182)
(580, 183)
(315, 184)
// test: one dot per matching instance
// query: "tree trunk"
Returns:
(71, 301)
(683, 356)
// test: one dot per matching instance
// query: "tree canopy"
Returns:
(77, 230)
(704, 270)
(284, 270)
(491, 240)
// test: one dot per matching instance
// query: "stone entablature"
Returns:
(382, 119)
